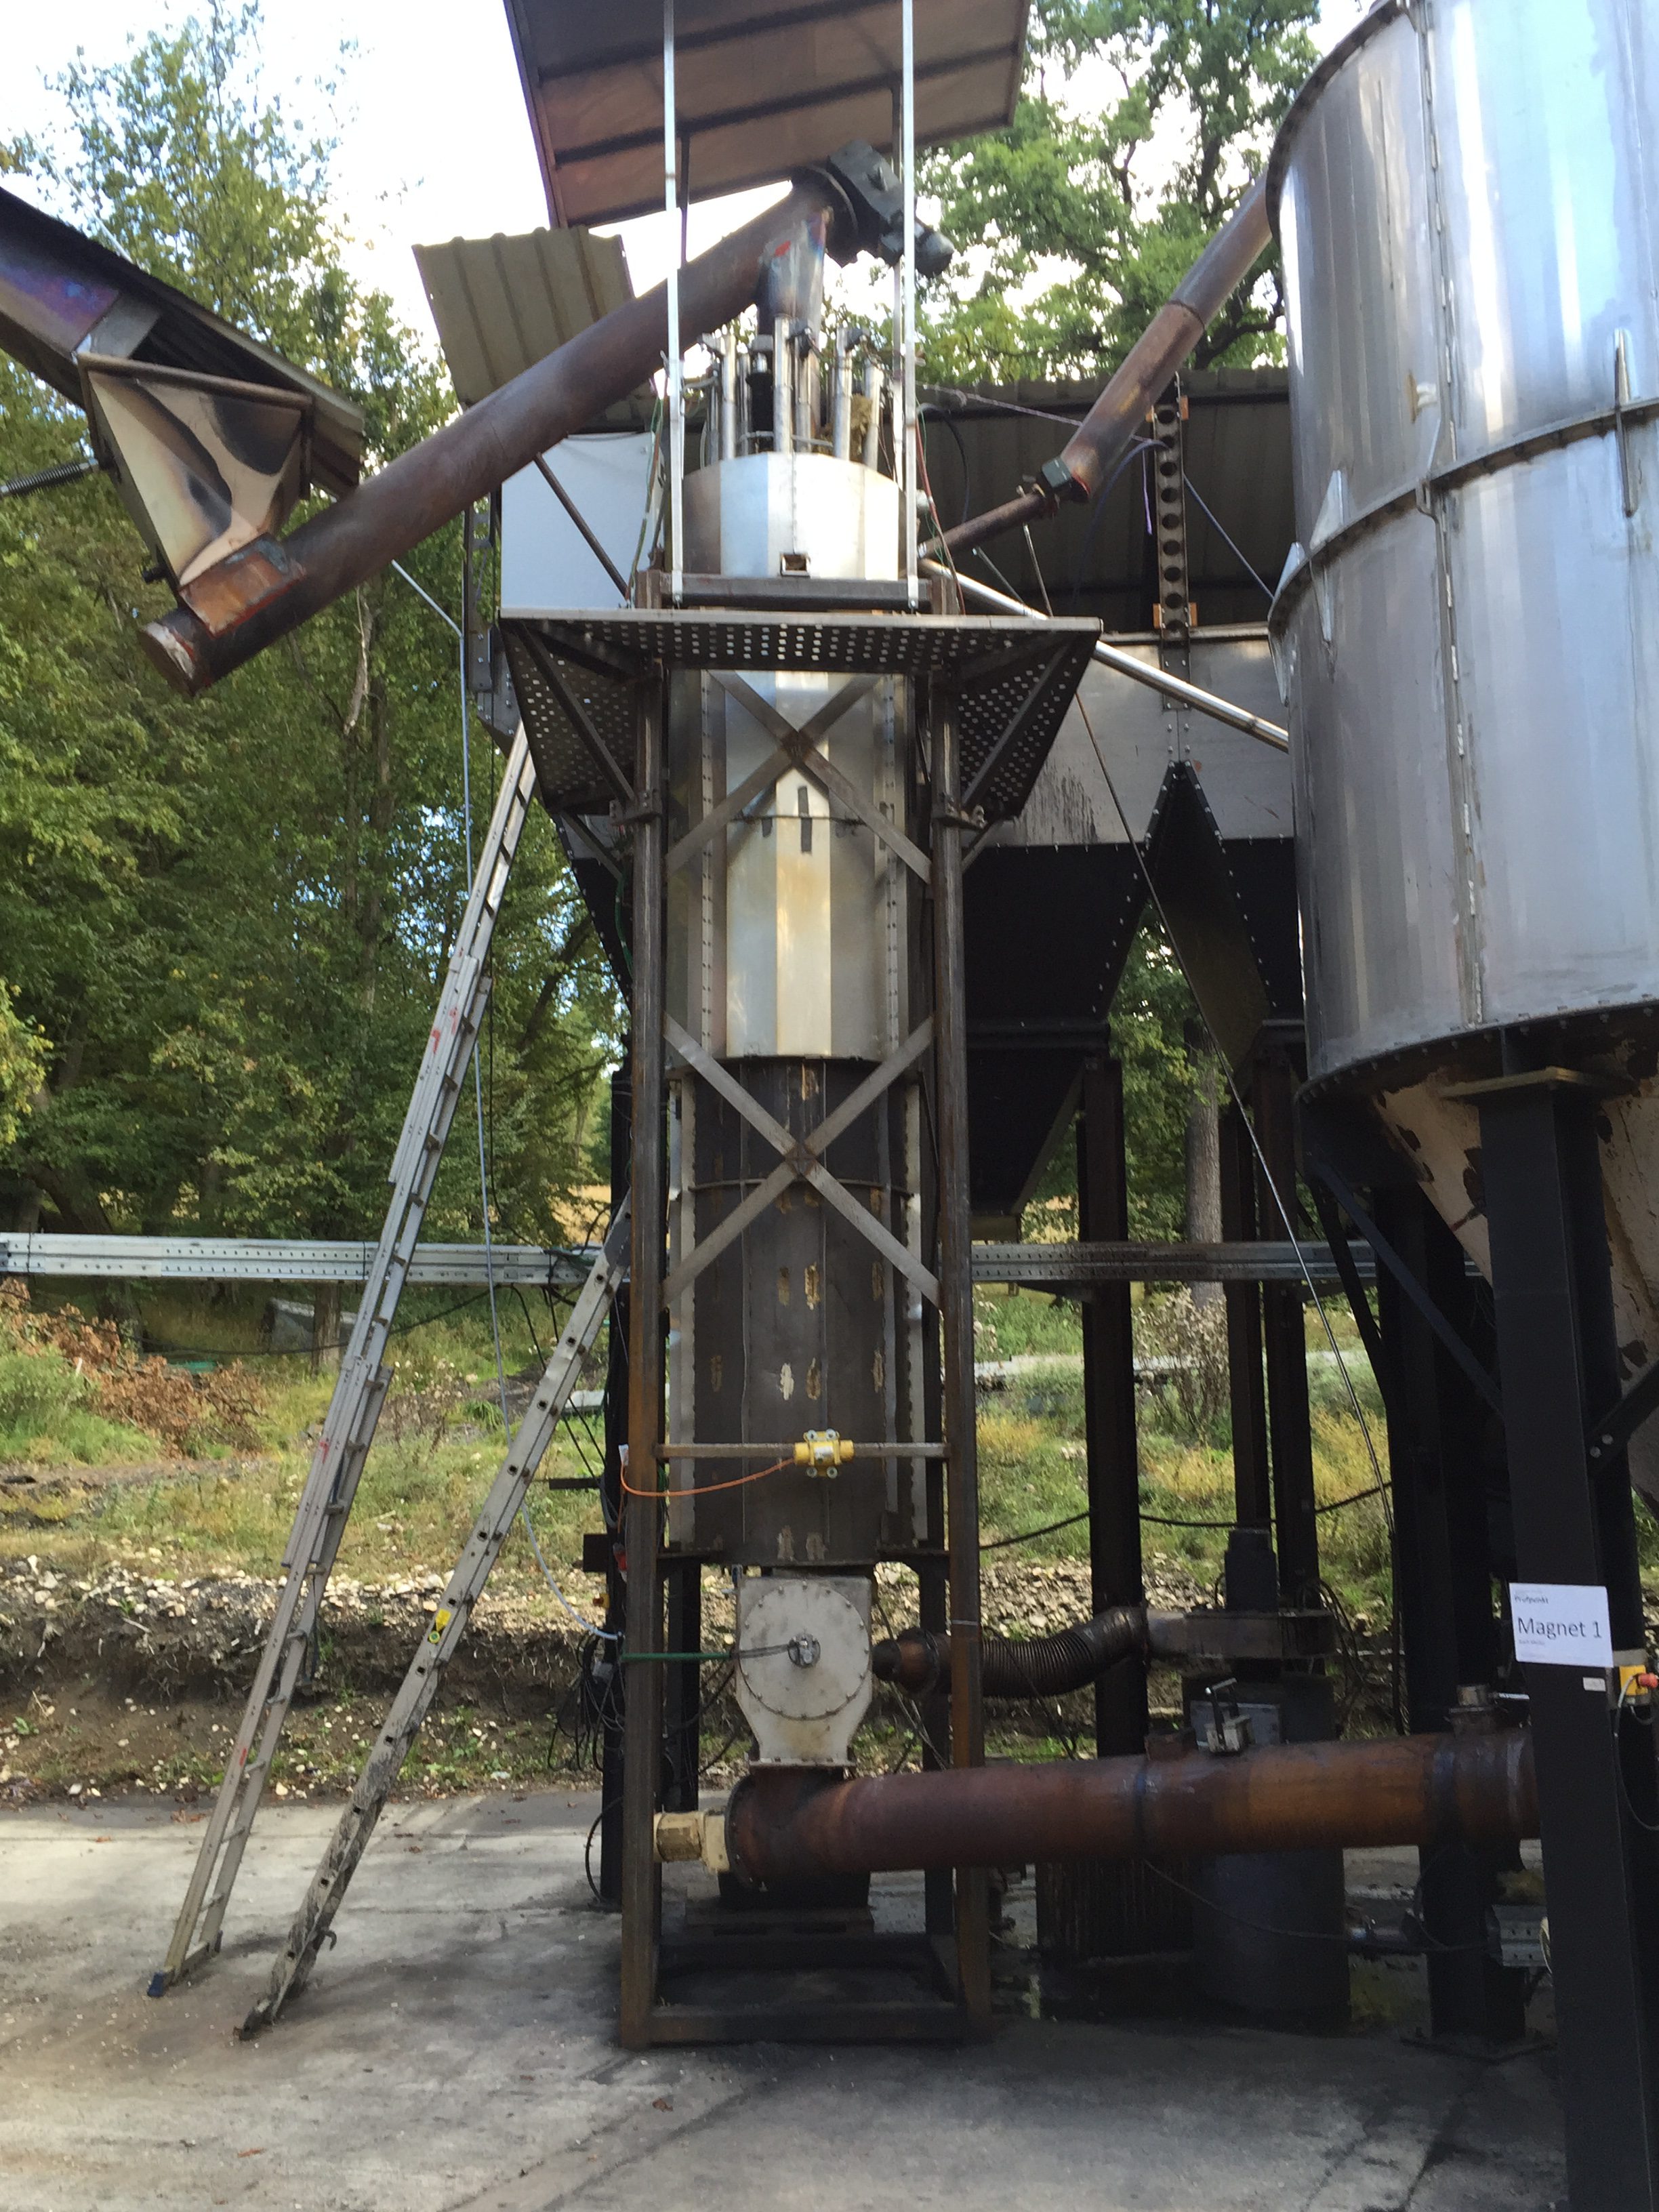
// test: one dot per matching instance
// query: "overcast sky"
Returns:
(433, 139)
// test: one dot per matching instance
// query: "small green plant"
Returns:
(35, 1385)
(1186, 1344)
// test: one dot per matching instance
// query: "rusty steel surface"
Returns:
(270, 588)
(1304, 1796)
(917, 1659)
(1116, 418)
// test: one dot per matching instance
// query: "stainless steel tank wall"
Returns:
(1469, 629)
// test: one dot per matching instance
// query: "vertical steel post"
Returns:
(1109, 1400)
(642, 1880)
(1246, 1386)
(907, 471)
(1442, 1583)
(676, 351)
(1541, 1169)
(613, 1507)
(1285, 1336)
(956, 1319)
(682, 1688)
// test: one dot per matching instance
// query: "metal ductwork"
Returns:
(1471, 1789)
(234, 609)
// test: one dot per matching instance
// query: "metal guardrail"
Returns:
(1078, 1267)
(282, 1260)
(300, 1259)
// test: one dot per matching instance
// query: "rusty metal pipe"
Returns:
(1285, 1797)
(260, 594)
(1038, 1667)
(1113, 424)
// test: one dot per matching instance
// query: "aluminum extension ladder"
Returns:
(408, 1708)
(348, 1427)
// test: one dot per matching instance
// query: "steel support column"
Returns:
(1284, 1338)
(1246, 1386)
(1442, 1583)
(957, 1318)
(641, 1877)
(1109, 1400)
(613, 1508)
(1541, 1169)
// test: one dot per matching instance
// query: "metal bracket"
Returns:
(1609, 1436)
(1621, 399)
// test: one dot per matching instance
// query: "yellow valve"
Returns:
(823, 1451)
(1636, 1683)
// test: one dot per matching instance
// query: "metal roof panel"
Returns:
(502, 303)
(762, 91)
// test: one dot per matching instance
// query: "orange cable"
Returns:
(704, 1489)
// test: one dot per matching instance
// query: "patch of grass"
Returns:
(72, 1437)
(1010, 1323)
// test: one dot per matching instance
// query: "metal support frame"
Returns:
(1443, 1580)
(1557, 1353)
(1246, 1385)
(349, 1425)
(655, 1770)
(613, 1506)
(641, 1886)
(956, 1312)
(1108, 1403)
(1284, 1327)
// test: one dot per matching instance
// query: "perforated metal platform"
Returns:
(1014, 681)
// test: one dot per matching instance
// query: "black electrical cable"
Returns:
(1140, 446)
(1307, 1934)
(1029, 1535)
(940, 415)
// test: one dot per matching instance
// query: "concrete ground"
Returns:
(455, 2050)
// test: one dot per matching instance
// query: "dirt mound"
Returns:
(142, 1637)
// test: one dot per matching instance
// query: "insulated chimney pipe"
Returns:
(260, 594)
(1475, 1789)
(1114, 423)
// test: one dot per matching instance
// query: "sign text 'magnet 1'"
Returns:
(1561, 1624)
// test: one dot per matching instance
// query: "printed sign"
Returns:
(1561, 1624)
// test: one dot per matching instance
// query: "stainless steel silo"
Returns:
(1467, 629)
(1466, 199)
(1467, 632)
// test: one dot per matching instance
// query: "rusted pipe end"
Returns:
(914, 1661)
(172, 645)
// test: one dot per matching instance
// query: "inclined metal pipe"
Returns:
(245, 602)
(1474, 1789)
(1124, 664)
(1114, 423)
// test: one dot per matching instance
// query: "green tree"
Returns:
(229, 919)
(1140, 125)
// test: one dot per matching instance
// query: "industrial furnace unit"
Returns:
(775, 751)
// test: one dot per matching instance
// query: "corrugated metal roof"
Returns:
(761, 91)
(502, 304)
